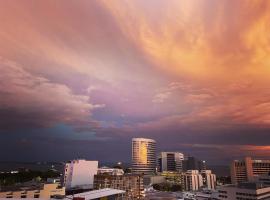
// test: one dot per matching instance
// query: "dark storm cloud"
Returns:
(185, 73)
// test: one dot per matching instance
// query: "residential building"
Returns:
(264, 179)
(110, 171)
(143, 156)
(149, 180)
(192, 180)
(170, 161)
(244, 191)
(103, 194)
(80, 174)
(209, 179)
(37, 190)
(132, 184)
(245, 170)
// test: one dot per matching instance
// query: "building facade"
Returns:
(209, 179)
(43, 191)
(80, 174)
(143, 156)
(170, 161)
(102, 194)
(244, 191)
(264, 179)
(192, 180)
(245, 170)
(131, 184)
(110, 171)
(192, 163)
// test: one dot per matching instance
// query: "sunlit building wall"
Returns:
(80, 174)
(209, 179)
(192, 180)
(143, 156)
(247, 169)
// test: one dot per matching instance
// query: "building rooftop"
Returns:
(95, 194)
(248, 185)
(27, 186)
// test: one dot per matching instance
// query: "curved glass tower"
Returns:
(143, 156)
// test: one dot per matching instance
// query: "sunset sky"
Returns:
(80, 78)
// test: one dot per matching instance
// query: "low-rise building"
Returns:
(149, 180)
(131, 184)
(173, 177)
(264, 179)
(244, 191)
(103, 194)
(44, 191)
(110, 171)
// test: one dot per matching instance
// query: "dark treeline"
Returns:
(24, 176)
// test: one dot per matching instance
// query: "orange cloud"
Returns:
(200, 39)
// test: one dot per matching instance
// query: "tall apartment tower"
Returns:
(170, 161)
(209, 179)
(143, 156)
(245, 170)
(80, 174)
(192, 180)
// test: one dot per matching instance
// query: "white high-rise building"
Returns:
(143, 155)
(209, 179)
(80, 174)
(170, 161)
(192, 180)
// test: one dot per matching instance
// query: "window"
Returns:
(23, 196)
(36, 196)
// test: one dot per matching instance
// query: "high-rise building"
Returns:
(170, 161)
(245, 170)
(192, 163)
(80, 174)
(143, 156)
(192, 180)
(209, 179)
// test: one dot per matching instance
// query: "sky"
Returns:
(79, 79)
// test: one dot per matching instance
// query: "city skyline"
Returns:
(82, 78)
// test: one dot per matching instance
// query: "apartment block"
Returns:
(43, 191)
(130, 183)
(244, 191)
(247, 169)
(79, 174)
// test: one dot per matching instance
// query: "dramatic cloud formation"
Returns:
(31, 101)
(193, 74)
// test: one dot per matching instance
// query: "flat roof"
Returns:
(94, 194)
